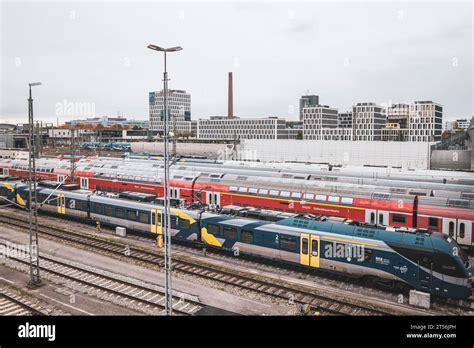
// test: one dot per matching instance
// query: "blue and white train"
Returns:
(429, 262)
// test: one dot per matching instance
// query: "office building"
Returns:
(225, 128)
(179, 108)
(308, 101)
(368, 119)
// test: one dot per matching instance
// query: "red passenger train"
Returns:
(454, 217)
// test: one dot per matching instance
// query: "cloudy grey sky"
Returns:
(346, 52)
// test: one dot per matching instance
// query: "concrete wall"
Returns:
(211, 151)
(452, 159)
(412, 155)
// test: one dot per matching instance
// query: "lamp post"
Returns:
(32, 196)
(166, 219)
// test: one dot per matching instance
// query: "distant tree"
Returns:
(116, 127)
(299, 136)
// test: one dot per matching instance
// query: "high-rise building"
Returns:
(321, 123)
(368, 119)
(225, 128)
(398, 113)
(308, 101)
(462, 123)
(179, 109)
(344, 119)
(425, 122)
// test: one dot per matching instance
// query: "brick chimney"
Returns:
(230, 99)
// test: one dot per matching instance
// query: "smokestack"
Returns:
(230, 99)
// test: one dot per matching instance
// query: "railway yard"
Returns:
(88, 268)
(129, 277)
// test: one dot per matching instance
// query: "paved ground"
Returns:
(206, 295)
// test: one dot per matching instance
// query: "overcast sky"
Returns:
(346, 52)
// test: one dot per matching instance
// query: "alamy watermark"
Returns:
(68, 108)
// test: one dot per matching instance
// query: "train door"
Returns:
(61, 202)
(5, 171)
(382, 217)
(425, 276)
(213, 199)
(314, 249)
(304, 249)
(309, 250)
(450, 227)
(174, 192)
(61, 178)
(464, 232)
(84, 183)
(156, 225)
(376, 217)
(371, 216)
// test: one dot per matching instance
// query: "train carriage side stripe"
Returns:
(183, 215)
(209, 238)
(8, 186)
(20, 200)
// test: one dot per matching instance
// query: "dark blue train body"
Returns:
(431, 263)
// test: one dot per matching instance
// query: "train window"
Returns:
(184, 224)
(81, 205)
(230, 232)
(368, 255)
(288, 243)
(451, 228)
(143, 217)
(243, 189)
(304, 246)
(132, 215)
(52, 200)
(433, 222)
(253, 190)
(462, 230)
(98, 208)
(213, 229)
(246, 237)
(3, 191)
(273, 192)
(321, 198)
(120, 213)
(309, 196)
(372, 218)
(399, 218)
(347, 200)
(296, 195)
(263, 192)
(285, 194)
(333, 199)
(174, 221)
(109, 211)
(380, 219)
(314, 247)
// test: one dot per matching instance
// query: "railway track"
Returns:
(307, 299)
(13, 304)
(144, 296)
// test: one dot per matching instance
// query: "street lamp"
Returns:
(32, 196)
(166, 220)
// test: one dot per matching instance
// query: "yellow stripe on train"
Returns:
(209, 238)
(20, 200)
(183, 215)
(8, 186)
